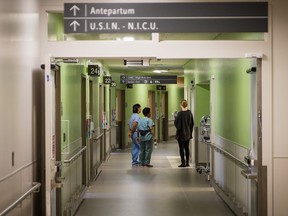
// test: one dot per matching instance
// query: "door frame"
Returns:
(84, 129)
(164, 116)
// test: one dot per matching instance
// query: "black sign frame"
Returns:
(113, 84)
(156, 80)
(171, 17)
(107, 79)
(94, 70)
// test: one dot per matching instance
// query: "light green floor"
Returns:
(164, 190)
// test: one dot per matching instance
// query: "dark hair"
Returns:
(146, 111)
(136, 107)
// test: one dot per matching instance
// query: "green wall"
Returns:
(175, 95)
(71, 98)
(232, 96)
(232, 102)
(202, 107)
(137, 94)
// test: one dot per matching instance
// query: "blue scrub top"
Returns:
(145, 124)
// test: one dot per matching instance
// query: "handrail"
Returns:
(98, 137)
(75, 155)
(35, 189)
(229, 155)
(18, 170)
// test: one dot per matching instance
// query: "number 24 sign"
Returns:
(93, 70)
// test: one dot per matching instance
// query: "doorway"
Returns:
(71, 129)
(120, 119)
(164, 115)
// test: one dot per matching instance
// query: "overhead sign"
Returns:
(127, 79)
(171, 17)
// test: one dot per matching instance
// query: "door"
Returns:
(120, 118)
(90, 133)
(153, 107)
(85, 129)
(151, 104)
(256, 174)
(164, 115)
(102, 122)
(70, 145)
(202, 109)
(50, 139)
(97, 135)
(107, 121)
(194, 135)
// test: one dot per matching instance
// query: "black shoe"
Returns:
(148, 165)
(187, 165)
(182, 165)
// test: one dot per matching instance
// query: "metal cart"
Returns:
(204, 137)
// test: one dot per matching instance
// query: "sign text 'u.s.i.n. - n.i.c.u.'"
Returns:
(184, 17)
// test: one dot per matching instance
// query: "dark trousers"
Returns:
(184, 150)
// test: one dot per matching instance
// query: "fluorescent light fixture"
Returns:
(125, 39)
(157, 71)
(133, 62)
(136, 62)
(71, 60)
(160, 71)
(128, 39)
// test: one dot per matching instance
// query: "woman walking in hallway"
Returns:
(184, 124)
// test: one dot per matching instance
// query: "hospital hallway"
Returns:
(165, 189)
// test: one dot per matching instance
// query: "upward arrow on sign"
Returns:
(75, 9)
(74, 24)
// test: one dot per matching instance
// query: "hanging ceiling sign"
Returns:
(128, 79)
(184, 17)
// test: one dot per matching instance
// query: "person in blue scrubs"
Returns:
(133, 123)
(146, 136)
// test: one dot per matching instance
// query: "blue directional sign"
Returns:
(167, 17)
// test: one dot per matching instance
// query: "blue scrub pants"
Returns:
(135, 150)
(146, 151)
